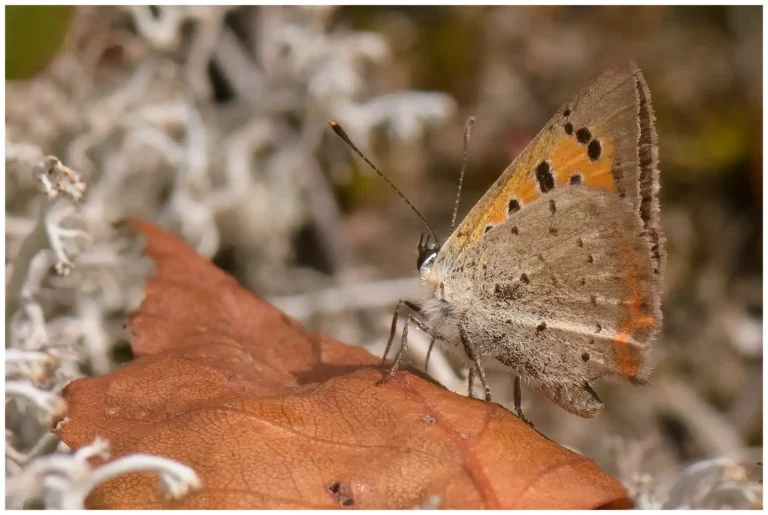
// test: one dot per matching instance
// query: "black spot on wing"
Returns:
(583, 135)
(594, 149)
(544, 177)
(513, 207)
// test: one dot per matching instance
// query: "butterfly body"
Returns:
(556, 271)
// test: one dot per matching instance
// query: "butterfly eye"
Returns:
(427, 252)
(426, 258)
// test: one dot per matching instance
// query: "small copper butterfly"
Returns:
(556, 272)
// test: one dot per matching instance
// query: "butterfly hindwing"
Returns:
(562, 295)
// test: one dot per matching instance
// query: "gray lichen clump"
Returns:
(132, 124)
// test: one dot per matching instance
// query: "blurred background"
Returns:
(212, 121)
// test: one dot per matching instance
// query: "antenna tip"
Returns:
(338, 130)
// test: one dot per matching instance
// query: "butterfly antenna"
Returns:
(343, 135)
(467, 136)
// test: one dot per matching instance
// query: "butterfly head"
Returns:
(427, 252)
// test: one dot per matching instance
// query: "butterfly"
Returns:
(556, 273)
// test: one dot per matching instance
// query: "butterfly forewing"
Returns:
(604, 138)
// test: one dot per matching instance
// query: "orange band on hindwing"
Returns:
(629, 357)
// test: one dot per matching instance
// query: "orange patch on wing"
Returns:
(569, 157)
(566, 156)
(629, 357)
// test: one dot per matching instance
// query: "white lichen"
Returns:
(151, 140)
(63, 481)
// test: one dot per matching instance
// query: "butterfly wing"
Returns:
(604, 138)
(562, 258)
(562, 294)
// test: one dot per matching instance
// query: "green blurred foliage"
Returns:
(33, 37)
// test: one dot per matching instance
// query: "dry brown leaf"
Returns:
(273, 416)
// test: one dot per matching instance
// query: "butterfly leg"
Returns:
(395, 316)
(469, 348)
(404, 345)
(429, 353)
(519, 401)
(471, 382)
